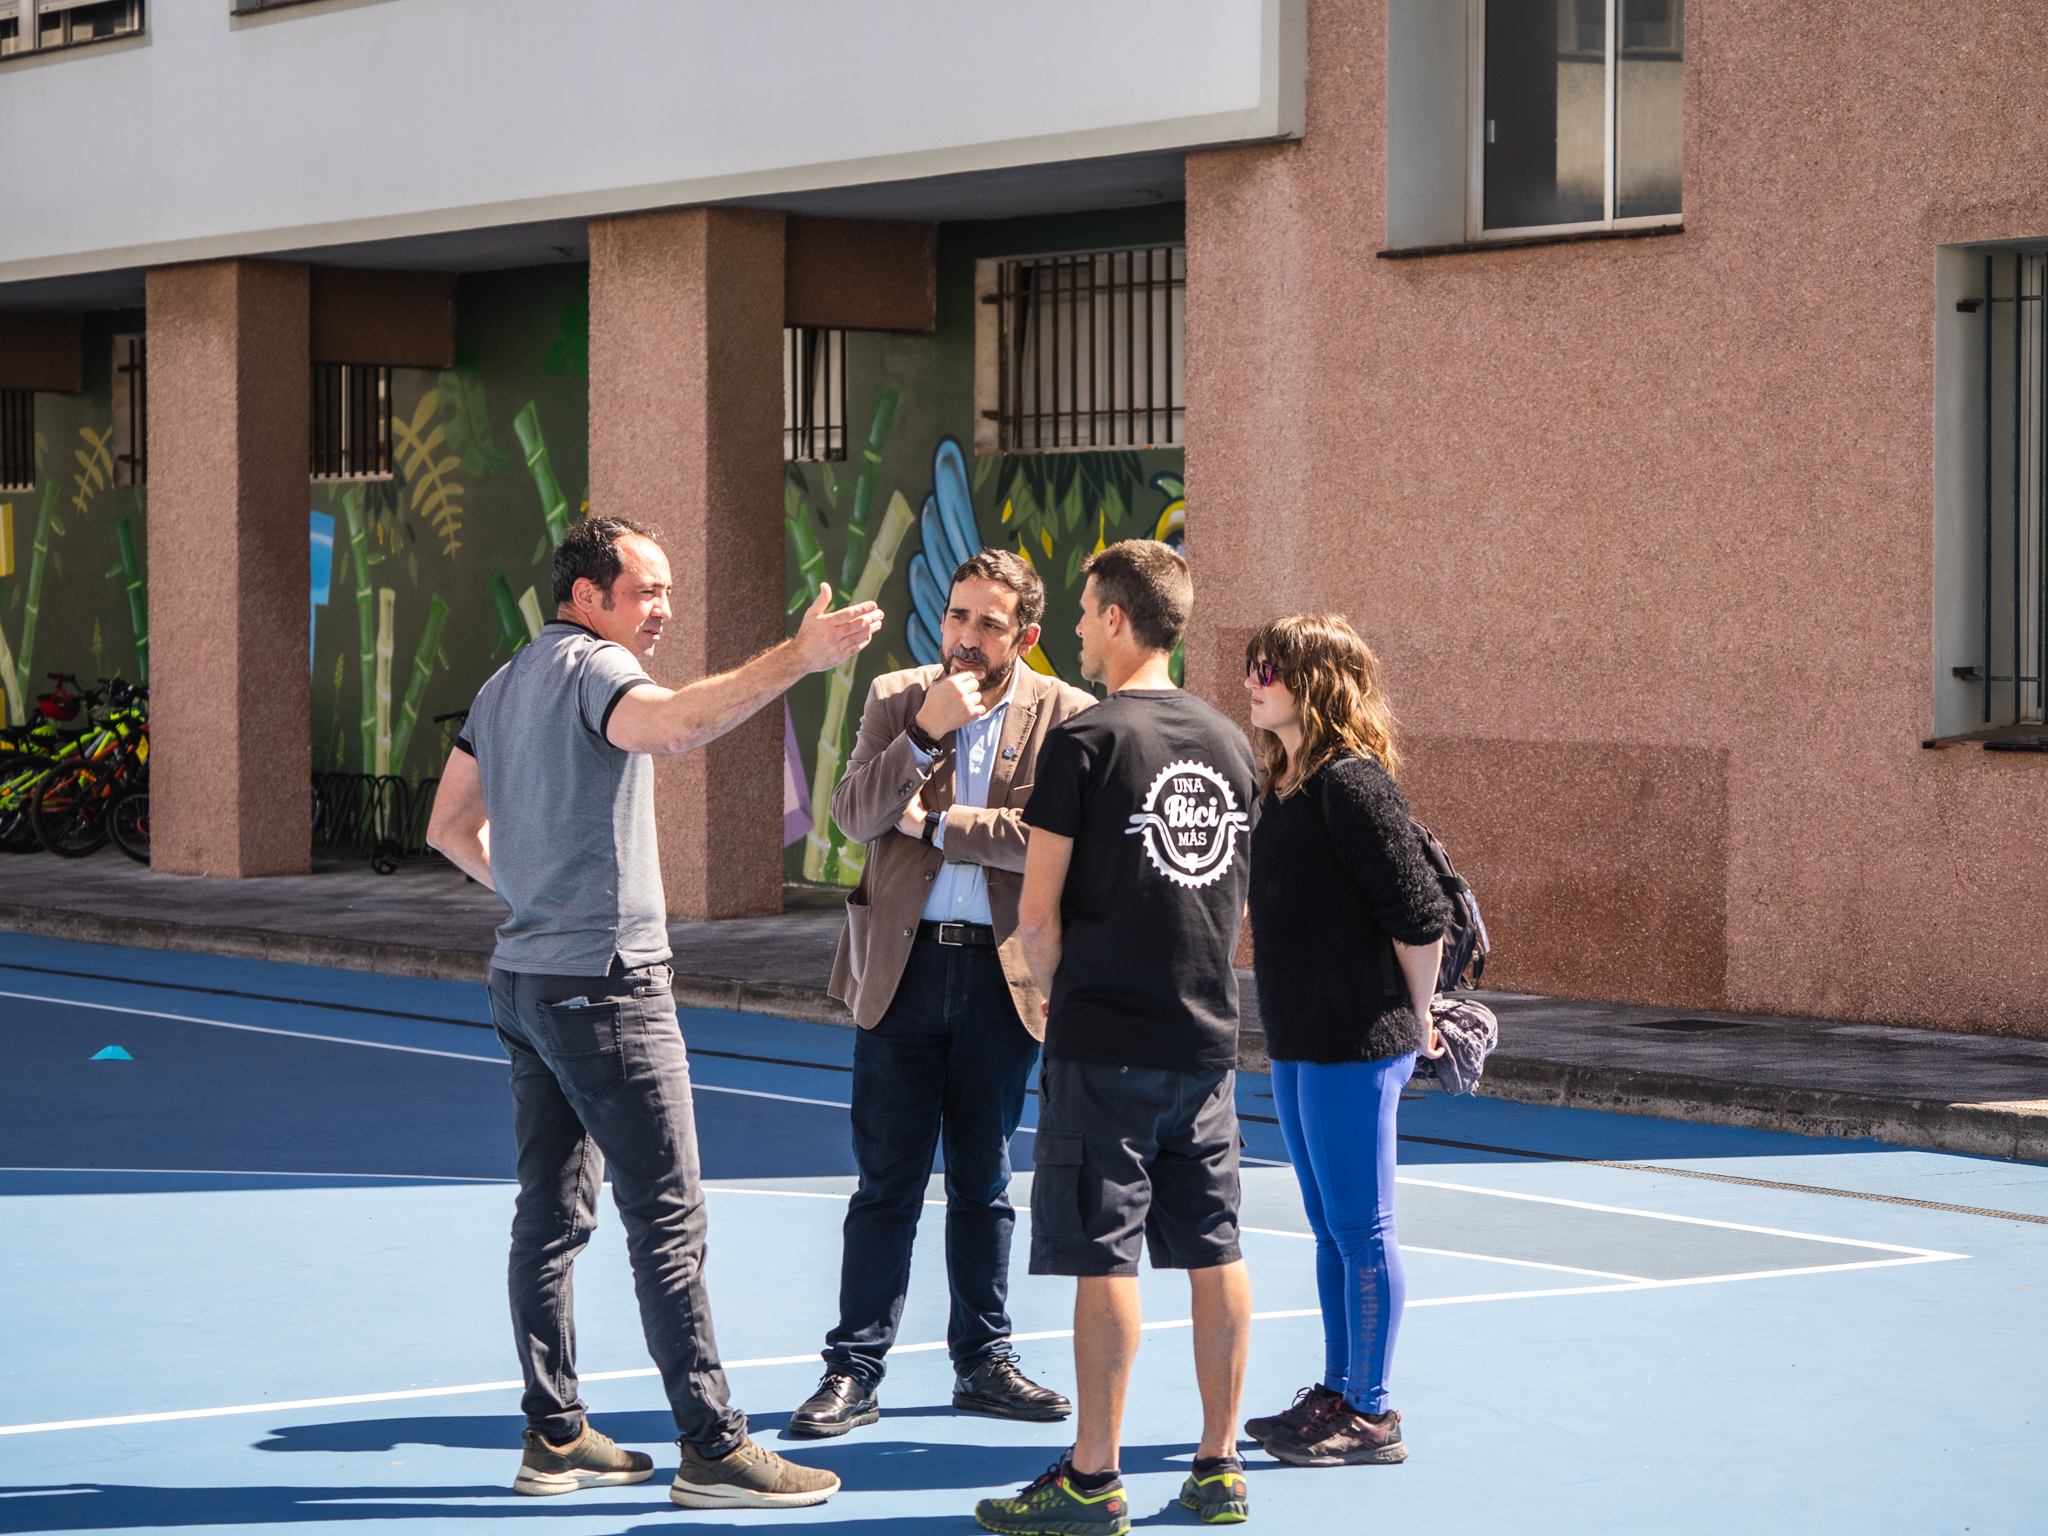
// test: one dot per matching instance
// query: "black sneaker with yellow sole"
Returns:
(1053, 1505)
(1217, 1493)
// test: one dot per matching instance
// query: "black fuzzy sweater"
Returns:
(1337, 871)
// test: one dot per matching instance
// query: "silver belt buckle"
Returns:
(956, 943)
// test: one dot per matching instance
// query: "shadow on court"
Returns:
(865, 1466)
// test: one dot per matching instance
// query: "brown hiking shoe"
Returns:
(1310, 1403)
(749, 1476)
(591, 1460)
(1344, 1438)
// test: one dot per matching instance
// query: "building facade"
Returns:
(1660, 388)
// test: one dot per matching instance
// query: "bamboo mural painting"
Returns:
(387, 614)
(827, 855)
(416, 687)
(359, 552)
(435, 496)
(138, 598)
(554, 505)
(46, 524)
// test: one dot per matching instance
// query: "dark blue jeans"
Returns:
(604, 1081)
(948, 1063)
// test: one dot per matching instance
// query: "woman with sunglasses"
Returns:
(1347, 928)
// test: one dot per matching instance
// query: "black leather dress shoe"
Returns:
(999, 1388)
(842, 1402)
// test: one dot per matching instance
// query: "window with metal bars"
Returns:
(17, 440)
(2014, 572)
(813, 393)
(29, 25)
(131, 411)
(351, 421)
(1081, 351)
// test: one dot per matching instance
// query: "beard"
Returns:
(993, 680)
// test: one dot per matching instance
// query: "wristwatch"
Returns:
(923, 739)
(931, 826)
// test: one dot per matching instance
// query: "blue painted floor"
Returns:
(273, 1243)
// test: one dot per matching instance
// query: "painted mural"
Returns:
(423, 584)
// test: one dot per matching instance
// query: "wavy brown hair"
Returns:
(1335, 680)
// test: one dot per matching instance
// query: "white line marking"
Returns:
(254, 1029)
(374, 1045)
(1453, 1253)
(1694, 1221)
(275, 1173)
(297, 1404)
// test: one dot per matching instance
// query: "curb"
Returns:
(807, 1005)
(2016, 1132)
(2010, 1131)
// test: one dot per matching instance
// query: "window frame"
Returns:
(1475, 142)
(138, 10)
(995, 377)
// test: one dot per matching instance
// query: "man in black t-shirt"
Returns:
(1134, 890)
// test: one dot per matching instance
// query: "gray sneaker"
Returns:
(591, 1460)
(749, 1476)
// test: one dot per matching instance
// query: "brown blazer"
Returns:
(883, 911)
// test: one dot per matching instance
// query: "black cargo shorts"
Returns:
(1125, 1151)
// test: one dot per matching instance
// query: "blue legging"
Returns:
(1338, 1123)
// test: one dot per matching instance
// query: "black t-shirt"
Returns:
(1156, 790)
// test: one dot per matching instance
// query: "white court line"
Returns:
(374, 1045)
(1692, 1221)
(254, 1029)
(277, 1173)
(1453, 1253)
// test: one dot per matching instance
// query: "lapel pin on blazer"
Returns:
(1009, 752)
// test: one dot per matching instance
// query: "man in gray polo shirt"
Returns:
(550, 801)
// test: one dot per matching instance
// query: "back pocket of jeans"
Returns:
(584, 1045)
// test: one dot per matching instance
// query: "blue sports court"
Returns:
(254, 1279)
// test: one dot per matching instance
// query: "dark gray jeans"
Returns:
(608, 1081)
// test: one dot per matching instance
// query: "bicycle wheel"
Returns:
(128, 823)
(18, 777)
(68, 812)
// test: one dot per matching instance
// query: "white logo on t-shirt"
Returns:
(1190, 823)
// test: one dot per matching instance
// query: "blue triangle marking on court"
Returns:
(112, 1053)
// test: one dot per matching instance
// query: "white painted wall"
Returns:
(370, 119)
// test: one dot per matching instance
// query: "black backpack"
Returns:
(1465, 941)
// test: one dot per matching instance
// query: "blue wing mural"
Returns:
(950, 535)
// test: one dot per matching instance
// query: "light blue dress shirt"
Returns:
(960, 891)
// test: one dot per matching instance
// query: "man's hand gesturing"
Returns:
(825, 638)
(950, 703)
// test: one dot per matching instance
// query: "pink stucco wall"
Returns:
(685, 433)
(229, 706)
(1643, 527)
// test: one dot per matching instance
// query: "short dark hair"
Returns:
(1012, 571)
(589, 551)
(1149, 582)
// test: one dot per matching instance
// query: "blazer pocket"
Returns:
(859, 918)
(1019, 793)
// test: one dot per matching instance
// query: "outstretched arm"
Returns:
(656, 719)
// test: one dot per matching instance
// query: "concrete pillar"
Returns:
(230, 719)
(686, 431)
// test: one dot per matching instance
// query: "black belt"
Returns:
(975, 935)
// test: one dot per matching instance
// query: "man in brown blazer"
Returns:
(934, 971)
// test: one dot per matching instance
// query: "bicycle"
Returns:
(68, 806)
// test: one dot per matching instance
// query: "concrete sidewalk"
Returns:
(1952, 1092)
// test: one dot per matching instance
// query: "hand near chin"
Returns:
(950, 703)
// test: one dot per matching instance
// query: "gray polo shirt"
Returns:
(572, 816)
